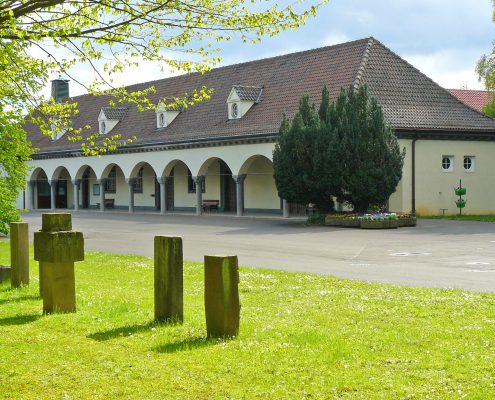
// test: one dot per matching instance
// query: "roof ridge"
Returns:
(364, 61)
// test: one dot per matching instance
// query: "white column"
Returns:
(53, 193)
(239, 188)
(163, 193)
(198, 180)
(130, 183)
(77, 185)
(285, 208)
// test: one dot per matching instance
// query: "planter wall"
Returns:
(333, 221)
(379, 224)
(351, 223)
(411, 221)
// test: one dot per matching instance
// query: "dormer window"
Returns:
(109, 117)
(165, 114)
(241, 99)
(59, 129)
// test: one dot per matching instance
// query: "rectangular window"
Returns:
(191, 185)
(111, 182)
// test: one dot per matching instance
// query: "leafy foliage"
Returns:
(346, 150)
(14, 152)
(40, 38)
(485, 68)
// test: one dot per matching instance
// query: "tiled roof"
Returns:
(115, 113)
(410, 100)
(476, 99)
(249, 93)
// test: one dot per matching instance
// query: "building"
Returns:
(220, 151)
(476, 99)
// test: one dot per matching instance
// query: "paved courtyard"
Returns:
(446, 254)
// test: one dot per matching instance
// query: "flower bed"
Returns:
(371, 221)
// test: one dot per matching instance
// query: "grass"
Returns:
(302, 337)
(464, 217)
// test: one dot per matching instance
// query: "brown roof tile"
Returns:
(476, 99)
(410, 100)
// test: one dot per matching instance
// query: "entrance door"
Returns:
(43, 193)
(85, 189)
(61, 194)
(227, 186)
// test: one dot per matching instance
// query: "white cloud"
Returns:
(335, 38)
(449, 68)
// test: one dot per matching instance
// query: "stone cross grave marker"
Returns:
(57, 247)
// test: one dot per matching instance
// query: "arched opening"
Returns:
(114, 188)
(219, 184)
(43, 190)
(64, 193)
(88, 180)
(260, 191)
(146, 189)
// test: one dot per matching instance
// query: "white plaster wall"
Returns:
(401, 200)
(434, 187)
(212, 182)
(147, 198)
(260, 191)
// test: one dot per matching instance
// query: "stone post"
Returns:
(222, 305)
(168, 279)
(239, 188)
(19, 254)
(285, 208)
(77, 185)
(198, 180)
(53, 193)
(163, 193)
(57, 247)
(102, 194)
(30, 195)
(130, 183)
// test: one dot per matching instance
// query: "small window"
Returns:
(447, 163)
(138, 182)
(191, 185)
(103, 127)
(161, 120)
(469, 163)
(234, 110)
(111, 182)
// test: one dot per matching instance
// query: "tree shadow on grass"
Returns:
(19, 319)
(128, 330)
(192, 343)
(20, 298)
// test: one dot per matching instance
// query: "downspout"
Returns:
(413, 184)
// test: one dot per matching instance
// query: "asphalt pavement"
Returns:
(436, 253)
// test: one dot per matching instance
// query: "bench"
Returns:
(210, 205)
(109, 203)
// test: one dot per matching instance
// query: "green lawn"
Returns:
(302, 337)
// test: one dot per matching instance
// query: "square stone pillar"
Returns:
(19, 254)
(163, 193)
(168, 278)
(239, 187)
(102, 183)
(53, 194)
(77, 185)
(57, 247)
(285, 208)
(222, 306)
(30, 195)
(130, 184)
(198, 180)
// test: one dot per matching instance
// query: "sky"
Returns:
(442, 38)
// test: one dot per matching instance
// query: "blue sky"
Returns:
(442, 38)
